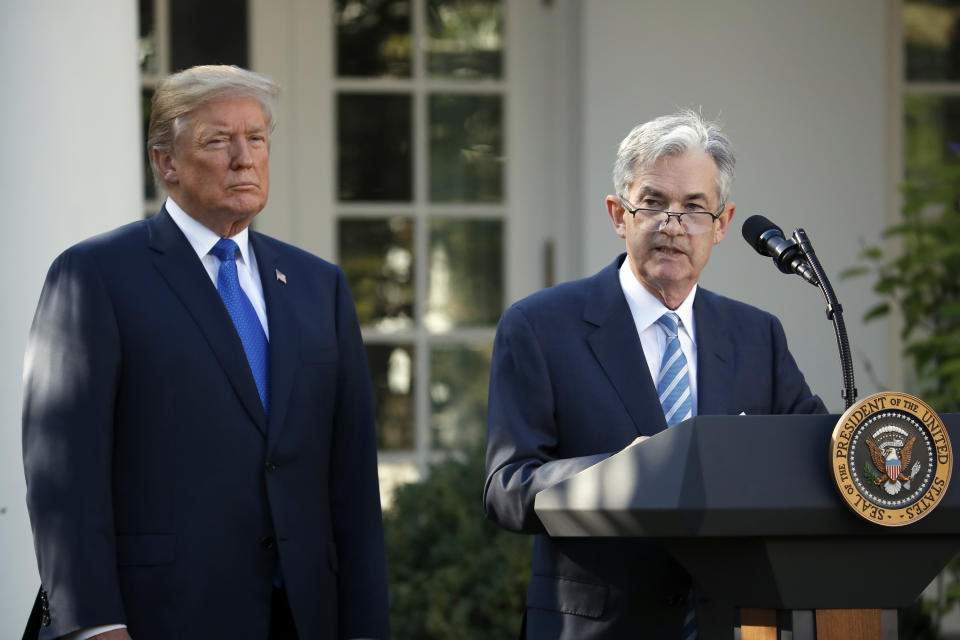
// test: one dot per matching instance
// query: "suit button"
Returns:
(267, 543)
(272, 466)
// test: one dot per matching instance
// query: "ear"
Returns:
(616, 212)
(165, 163)
(723, 222)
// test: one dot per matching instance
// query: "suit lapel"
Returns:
(714, 356)
(616, 346)
(184, 273)
(283, 335)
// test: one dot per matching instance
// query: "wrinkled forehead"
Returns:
(683, 176)
(223, 113)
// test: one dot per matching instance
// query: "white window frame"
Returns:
(293, 41)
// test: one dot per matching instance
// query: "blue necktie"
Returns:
(243, 314)
(673, 383)
(673, 387)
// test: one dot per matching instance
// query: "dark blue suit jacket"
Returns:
(161, 495)
(569, 387)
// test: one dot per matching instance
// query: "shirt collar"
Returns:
(203, 238)
(646, 308)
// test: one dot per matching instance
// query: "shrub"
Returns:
(452, 572)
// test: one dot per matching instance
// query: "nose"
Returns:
(671, 229)
(240, 153)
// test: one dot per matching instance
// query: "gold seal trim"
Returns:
(891, 458)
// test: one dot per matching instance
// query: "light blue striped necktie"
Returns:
(244, 316)
(673, 387)
(673, 383)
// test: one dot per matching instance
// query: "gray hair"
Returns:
(670, 136)
(180, 94)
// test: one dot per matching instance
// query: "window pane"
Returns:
(465, 38)
(459, 377)
(377, 257)
(374, 147)
(931, 34)
(149, 186)
(207, 32)
(373, 38)
(466, 148)
(391, 372)
(932, 134)
(148, 38)
(465, 274)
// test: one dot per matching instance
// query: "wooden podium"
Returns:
(748, 506)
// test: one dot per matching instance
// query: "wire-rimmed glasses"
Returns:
(654, 220)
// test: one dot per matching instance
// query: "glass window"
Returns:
(420, 163)
(931, 133)
(376, 255)
(931, 99)
(148, 38)
(459, 379)
(466, 148)
(464, 273)
(207, 32)
(465, 38)
(373, 38)
(931, 38)
(374, 147)
(392, 376)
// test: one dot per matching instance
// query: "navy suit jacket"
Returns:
(160, 493)
(569, 386)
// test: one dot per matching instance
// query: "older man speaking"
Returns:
(586, 368)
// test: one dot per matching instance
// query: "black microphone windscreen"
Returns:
(755, 226)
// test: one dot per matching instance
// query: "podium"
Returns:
(747, 505)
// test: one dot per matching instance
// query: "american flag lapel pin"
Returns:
(281, 276)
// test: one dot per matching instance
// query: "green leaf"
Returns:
(854, 272)
(877, 311)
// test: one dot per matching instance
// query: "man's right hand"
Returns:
(637, 440)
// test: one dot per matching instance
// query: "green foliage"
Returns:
(870, 472)
(452, 572)
(922, 282)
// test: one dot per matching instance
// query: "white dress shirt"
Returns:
(202, 240)
(646, 310)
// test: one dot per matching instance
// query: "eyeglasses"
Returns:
(654, 220)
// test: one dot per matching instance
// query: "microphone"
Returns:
(767, 239)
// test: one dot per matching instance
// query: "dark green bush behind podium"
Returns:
(452, 572)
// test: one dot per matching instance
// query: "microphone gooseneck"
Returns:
(796, 255)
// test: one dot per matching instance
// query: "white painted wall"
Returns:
(801, 89)
(70, 168)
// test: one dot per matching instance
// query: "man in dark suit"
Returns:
(586, 368)
(198, 425)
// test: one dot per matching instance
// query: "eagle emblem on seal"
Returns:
(891, 451)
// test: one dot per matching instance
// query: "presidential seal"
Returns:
(891, 458)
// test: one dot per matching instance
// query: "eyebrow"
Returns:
(226, 131)
(650, 191)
